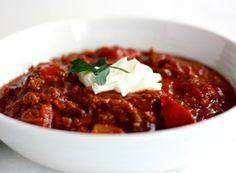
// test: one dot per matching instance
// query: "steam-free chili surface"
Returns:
(50, 97)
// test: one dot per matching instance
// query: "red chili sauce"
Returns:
(48, 96)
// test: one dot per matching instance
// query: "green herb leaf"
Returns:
(118, 68)
(100, 69)
(100, 62)
(102, 76)
(80, 65)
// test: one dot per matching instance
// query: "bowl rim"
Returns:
(159, 133)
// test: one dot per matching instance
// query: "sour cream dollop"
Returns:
(140, 77)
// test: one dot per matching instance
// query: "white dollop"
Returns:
(140, 77)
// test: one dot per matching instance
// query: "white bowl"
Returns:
(137, 153)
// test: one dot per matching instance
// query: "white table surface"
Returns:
(215, 15)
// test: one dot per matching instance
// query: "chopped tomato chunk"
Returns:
(51, 73)
(131, 53)
(50, 70)
(174, 114)
(110, 53)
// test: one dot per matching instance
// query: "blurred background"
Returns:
(216, 15)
